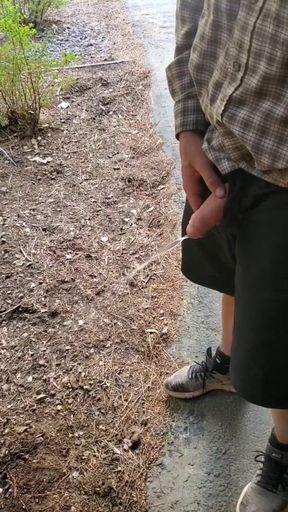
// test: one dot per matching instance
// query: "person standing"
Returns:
(229, 82)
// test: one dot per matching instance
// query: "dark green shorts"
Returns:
(247, 256)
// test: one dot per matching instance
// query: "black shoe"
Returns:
(268, 491)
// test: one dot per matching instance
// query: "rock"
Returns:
(64, 105)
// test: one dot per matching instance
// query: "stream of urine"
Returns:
(158, 254)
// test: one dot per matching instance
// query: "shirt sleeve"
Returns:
(187, 109)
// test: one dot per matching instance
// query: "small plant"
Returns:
(34, 11)
(29, 78)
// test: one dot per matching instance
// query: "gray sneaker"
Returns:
(268, 491)
(197, 379)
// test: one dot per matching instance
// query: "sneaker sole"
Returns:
(195, 394)
(242, 496)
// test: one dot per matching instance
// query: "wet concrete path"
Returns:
(209, 452)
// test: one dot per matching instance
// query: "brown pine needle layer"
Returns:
(83, 351)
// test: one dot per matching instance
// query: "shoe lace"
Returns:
(199, 371)
(272, 475)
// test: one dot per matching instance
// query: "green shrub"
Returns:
(34, 11)
(28, 78)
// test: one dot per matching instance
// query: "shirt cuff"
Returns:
(189, 117)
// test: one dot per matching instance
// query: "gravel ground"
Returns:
(83, 40)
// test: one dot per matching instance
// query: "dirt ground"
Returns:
(83, 350)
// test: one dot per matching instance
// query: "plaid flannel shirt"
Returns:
(229, 80)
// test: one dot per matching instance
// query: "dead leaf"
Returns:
(22, 429)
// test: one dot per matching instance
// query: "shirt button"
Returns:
(236, 66)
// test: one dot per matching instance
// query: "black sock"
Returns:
(221, 362)
(276, 444)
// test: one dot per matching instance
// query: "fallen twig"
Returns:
(8, 156)
(10, 310)
(26, 256)
(95, 64)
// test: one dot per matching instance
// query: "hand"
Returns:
(207, 216)
(196, 169)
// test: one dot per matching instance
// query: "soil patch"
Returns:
(84, 351)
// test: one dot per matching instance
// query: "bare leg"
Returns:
(228, 308)
(280, 418)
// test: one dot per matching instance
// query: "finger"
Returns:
(212, 180)
(206, 217)
(194, 199)
(193, 186)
